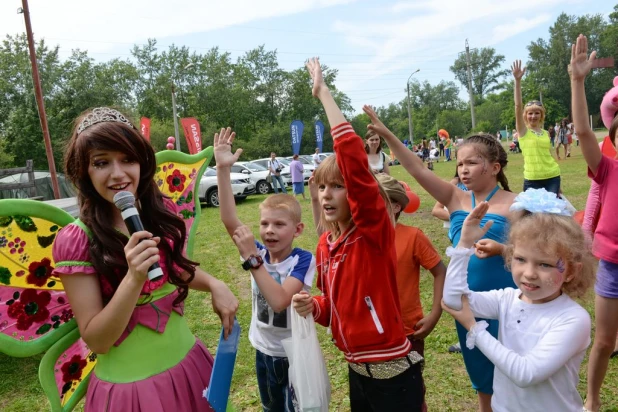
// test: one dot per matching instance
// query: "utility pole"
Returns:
(38, 92)
(470, 85)
(409, 108)
(175, 110)
(176, 134)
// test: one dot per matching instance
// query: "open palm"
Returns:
(223, 148)
(315, 71)
(517, 70)
(472, 230)
(580, 63)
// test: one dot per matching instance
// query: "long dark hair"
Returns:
(107, 244)
(493, 151)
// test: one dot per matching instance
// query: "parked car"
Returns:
(308, 167)
(256, 173)
(208, 190)
(285, 170)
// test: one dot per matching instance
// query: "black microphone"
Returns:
(125, 201)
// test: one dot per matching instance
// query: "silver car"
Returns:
(208, 190)
(256, 173)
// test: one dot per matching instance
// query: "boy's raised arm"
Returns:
(225, 159)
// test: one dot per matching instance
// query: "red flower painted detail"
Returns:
(72, 370)
(30, 308)
(176, 181)
(39, 272)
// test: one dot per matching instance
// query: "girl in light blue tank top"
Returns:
(480, 164)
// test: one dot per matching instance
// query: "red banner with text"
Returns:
(145, 127)
(191, 127)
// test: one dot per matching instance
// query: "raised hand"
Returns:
(472, 230)
(315, 71)
(581, 64)
(376, 124)
(223, 148)
(517, 70)
(313, 188)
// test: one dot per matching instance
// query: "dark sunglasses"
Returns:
(534, 103)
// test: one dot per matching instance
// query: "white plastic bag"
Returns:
(308, 377)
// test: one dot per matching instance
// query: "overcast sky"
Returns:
(376, 45)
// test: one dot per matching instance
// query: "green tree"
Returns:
(485, 67)
(548, 60)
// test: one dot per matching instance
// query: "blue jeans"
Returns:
(551, 185)
(281, 184)
(272, 378)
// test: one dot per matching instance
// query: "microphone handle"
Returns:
(134, 224)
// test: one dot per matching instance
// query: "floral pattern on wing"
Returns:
(72, 367)
(28, 314)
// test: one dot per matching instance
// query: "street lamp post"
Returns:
(175, 110)
(409, 108)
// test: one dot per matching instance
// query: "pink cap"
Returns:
(609, 105)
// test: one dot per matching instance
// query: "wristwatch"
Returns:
(253, 262)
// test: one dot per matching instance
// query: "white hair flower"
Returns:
(541, 201)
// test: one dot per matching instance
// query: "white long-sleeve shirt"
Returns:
(540, 347)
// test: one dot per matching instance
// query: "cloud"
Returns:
(411, 34)
(517, 26)
(97, 26)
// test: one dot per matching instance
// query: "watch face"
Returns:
(253, 261)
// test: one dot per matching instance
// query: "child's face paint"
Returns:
(537, 273)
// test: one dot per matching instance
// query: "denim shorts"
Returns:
(551, 185)
(607, 280)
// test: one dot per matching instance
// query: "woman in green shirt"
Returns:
(540, 168)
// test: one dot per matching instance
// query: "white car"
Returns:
(208, 190)
(285, 170)
(308, 167)
(256, 173)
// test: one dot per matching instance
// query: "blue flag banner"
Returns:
(296, 131)
(319, 134)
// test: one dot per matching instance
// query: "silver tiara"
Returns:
(100, 115)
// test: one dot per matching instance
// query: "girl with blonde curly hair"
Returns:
(544, 333)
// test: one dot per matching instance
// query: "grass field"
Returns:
(448, 388)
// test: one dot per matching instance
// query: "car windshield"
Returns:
(254, 167)
(303, 160)
(210, 172)
(286, 162)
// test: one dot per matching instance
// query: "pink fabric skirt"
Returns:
(179, 388)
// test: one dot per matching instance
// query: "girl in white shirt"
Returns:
(375, 155)
(543, 333)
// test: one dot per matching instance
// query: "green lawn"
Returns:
(448, 388)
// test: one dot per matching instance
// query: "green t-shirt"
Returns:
(539, 164)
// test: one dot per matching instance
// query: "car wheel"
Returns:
(213, 197)
(263, 187)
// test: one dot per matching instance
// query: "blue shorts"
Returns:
(607, 280)
(299, 188)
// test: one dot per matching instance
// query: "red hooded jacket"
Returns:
(357, 276)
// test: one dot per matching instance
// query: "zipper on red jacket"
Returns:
(374, 315)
